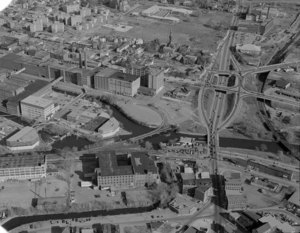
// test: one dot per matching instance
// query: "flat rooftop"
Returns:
(37, 102)
(14, 160)
(112, 164)
(124, 77)
(142, 164)
(25, 134)
(32, 88)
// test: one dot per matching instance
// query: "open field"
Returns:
(246, 123)
(191, 32)
(21, 193)
(140, 113)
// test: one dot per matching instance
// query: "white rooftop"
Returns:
(284, 226)
(37, 101)
(25, 134)
(249, 47)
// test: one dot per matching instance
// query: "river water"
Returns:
(170, 136)
(18, 221)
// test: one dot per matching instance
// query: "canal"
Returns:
(19, 221)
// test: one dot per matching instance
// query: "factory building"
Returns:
(37, 108)
(101, 78)
(48, 70)
(124, 171)
(11, 104)
(26, 139)
(22, 167)
(117, 82)
(152, 79)
(124, 84)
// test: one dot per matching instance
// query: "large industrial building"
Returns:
(22, 167)
(152, 79)
(124, 84)
(14, 89)
(124, 171)
(26, 139)
(117, 82)
(37, 108)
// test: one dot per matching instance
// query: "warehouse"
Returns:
(26, 139)
(125, 170)
(21, 167)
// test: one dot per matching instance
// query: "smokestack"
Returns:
(85, 60)
(268, 12)
(80, 60)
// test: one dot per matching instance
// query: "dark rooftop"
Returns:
(124, 76)
(142, 164)
(29, 90)
(12, 161)
(112, 164)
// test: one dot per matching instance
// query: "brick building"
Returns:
(124, 171)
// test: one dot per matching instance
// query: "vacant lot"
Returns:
(191, 31)
(21, 193)
(142, 114)
(246, 122)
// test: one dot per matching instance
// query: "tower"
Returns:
(170, 39)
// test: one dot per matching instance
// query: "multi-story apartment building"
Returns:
(124, 171)
(37, 108)
(22, 167)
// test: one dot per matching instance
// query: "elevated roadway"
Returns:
(267, 68)
(246, 93)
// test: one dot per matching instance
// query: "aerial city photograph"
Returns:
(150, 116)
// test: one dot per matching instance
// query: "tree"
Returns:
(286, 120)
(263, 147)
(166, 173)
(148, 145)
(163, 193)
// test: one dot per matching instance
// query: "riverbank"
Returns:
(140, 114)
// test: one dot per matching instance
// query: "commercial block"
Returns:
(37, 108)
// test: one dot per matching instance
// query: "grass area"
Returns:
(208, 100)
(229, 105)
(142, 114)
(191, 126)
(247, 122)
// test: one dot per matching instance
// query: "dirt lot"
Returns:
(21, 193)
(256, 199)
